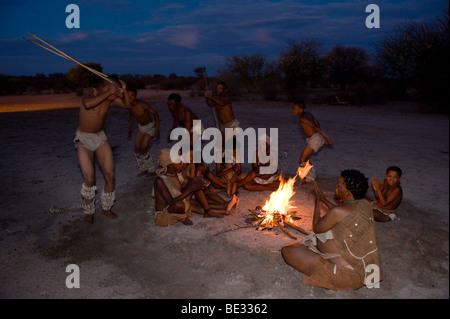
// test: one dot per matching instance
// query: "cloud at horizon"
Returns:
(157, 37)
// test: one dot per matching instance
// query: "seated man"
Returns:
(229, 175)
(171, 200)
(263, 182)
(205, 201)
(343, 249)
(389, 195)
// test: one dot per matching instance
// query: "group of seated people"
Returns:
(183, 188)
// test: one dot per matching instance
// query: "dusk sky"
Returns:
(163, 37)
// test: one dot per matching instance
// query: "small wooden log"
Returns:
(283, 229)
(297, 228)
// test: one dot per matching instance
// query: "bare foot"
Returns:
(89, 219)
(233, 205)
(187, 222)
(212, 213)
(110, 214)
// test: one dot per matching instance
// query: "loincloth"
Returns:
(90, 141)
(149, 129)
(262, 181)
(232, 124)
(316, 141)
(391, 213)
(164, 218)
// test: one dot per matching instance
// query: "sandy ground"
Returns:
(133, 258)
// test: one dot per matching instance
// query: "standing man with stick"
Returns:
(223, 106)
(91, 141)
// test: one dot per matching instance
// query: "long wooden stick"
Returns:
(212, 109)
(66, 56)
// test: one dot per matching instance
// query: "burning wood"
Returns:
(277, 211)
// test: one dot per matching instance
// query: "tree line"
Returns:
(411, 63)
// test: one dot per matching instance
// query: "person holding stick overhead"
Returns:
(223, 106)
(90, 140)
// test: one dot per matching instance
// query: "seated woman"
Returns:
(343, 250)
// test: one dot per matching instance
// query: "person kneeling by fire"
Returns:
(342, 253)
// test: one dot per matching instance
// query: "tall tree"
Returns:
(347, 65)
(300, 63)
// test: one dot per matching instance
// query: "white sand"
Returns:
(132, 258)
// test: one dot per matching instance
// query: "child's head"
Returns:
(393, 175)
(298, 107)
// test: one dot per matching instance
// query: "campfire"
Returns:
(278, 211)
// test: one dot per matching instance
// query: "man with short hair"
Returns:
(90, 140)
(148, 129)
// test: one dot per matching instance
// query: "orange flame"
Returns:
(303, 171)
(279, 204)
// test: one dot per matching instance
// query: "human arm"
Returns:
(319, 192)
(386, 200)
(208, 99)
(125, 102)
(90, 100)
(192, 186)
(316, 128)
(156, 117)
(211, 100)
(326, 222)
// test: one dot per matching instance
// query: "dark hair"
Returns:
(395, 169)
(300, 103)
(224, 84)
(356, 183)
(99, 82)
(132, 89)
(175, 96)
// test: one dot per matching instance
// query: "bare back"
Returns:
(308, 130)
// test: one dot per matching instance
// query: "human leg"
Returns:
(300, 257)
(86, 162)
(105, 159)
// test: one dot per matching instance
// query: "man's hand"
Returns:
(124, 85)
(113, 89)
